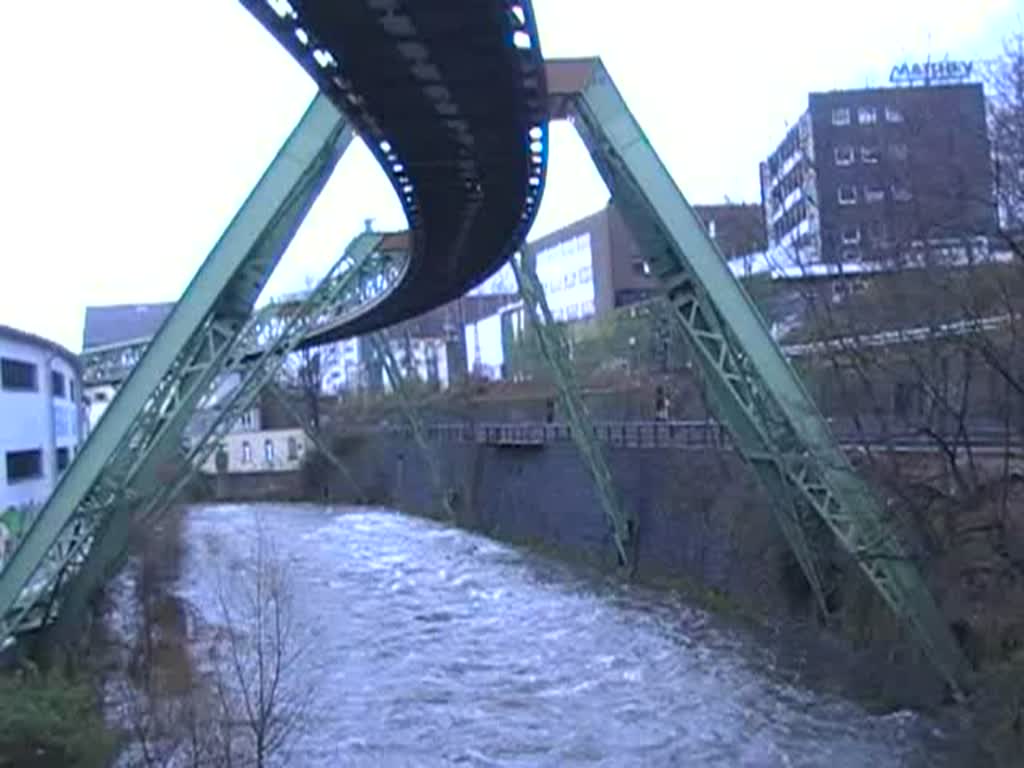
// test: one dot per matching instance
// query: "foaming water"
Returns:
(435, 646)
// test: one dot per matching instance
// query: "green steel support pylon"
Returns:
(320, 443)
(142, 426)
(255, 355)
(775, 424)
(382, 349)
(555, 350)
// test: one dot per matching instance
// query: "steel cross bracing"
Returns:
(321, 444)
(141, 429)
(381, 345)
(111, 363)
(359, 278)
(555, 350)
(273, 333)
(774, 422)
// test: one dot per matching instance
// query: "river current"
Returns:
(431, 646)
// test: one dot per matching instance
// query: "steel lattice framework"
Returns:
(555, 350)
(774, 423)
(142, 427)
(452, 101)
(405, 78)
(381, 345)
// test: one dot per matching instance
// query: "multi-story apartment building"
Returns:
(881, 173)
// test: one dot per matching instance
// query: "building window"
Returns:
(876, 231)
(712, 229)
(867, 115)
(844, 155)
(641, 267)
(847, 195)
(71, 390)
(18, 376)
(247, 420)
(841, 116)
(901, 192)
(57, 382)
(268, 451)
(898, 151)
(293, 449)
(63, 459)
(851, 235)
(870, 155)
(874, 194)
(246, 452)
(24, 465)
(893, 115)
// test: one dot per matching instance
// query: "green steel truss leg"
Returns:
(553, 347)
(320, 443)
(143, 423)
(274, 333)
(774, 422)
(253, 358)
(382, 349)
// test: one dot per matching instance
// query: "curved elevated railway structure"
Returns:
(451, 98)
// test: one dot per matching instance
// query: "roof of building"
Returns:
(13, 334)
(889, 89)
(120, 323)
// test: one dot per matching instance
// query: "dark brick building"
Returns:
(877, 173)
(619, 271)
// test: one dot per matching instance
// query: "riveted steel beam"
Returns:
(774, 422)
(152, 405)
(380, 343)
(553, 347)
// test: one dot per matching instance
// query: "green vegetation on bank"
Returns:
(52, 720)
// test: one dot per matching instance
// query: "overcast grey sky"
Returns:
(130, 130)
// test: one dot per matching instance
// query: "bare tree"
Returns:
(919, 358)
(307, 372)
(261, 668)
(310, 372)
(1006, 126)
(240, 703)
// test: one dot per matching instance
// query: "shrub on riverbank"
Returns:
(50, 720)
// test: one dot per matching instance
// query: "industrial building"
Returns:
(881, 173)
(593, 266)
(41, 419)
(433, 347)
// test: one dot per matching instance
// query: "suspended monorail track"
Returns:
(451, 98)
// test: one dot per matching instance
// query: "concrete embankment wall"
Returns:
(253, 486)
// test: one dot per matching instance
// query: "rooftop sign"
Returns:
(932, 72)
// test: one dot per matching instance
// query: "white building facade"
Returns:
(566, 272)
(267, 450)
(42, 423)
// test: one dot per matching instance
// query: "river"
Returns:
(434, 646)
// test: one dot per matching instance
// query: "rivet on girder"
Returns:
(426, 72)
(414, 51)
